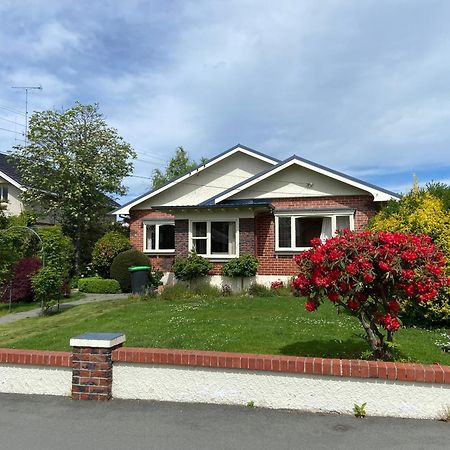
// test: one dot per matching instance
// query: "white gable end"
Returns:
(208, 182)
(297, 181)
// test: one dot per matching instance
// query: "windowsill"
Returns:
(289, 251)
(218, 258)
(159, 252)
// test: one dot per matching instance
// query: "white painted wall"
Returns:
(279, 390)
(292, 182)
(209, 182)
(45, 380)
(14, 206)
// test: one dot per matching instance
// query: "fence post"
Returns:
(92, 364)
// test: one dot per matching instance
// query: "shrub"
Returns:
(191, 267)
(368, 274)
(244, 266)
(98, 285)
(259, 290)
(420, 212)
(47, 287)
(58, 248)
(119, 268)
(19, 286)
(106, 249)
(180, 290)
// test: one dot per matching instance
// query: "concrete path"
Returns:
(43, 423)
(90, 298)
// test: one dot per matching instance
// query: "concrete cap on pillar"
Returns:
(98, 340)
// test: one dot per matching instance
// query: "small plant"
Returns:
(360, 410)
(276, 285)
(251, 404)
(245, 266)
(226, 289)
(192, 267)
(19, 286)
(47, 287)
(445, 414)
(259, 290)
(96, 285)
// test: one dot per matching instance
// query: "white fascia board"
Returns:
(379, 196)
(126, 209)
(12, 181)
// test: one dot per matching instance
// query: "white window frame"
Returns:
(4, 188)
(209, 255)
(294, 216)
(157, 224)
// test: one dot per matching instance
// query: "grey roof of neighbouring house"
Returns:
(8, 168)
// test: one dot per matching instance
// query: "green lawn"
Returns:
(19, 307)
(277, 325)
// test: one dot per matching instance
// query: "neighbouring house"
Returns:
(243, 201)
(10, 187)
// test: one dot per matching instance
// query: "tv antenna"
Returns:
(26, 89)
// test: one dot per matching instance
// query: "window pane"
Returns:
(166, 237)
(342, 222)
(199, 229)
(151, 239)
(307, 228)
(199, 246)
(223, 237)
(284, 232)
(4, 193)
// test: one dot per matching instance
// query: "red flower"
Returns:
(333, 296)
(383, 266)
(310, 306)
(353, 304)
(368, 277)
(351, 269)
(394, 305)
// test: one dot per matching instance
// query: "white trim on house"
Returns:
(126, 208)
(157, 223)
(209, 254)
(293, 216)
(378, 195)
(12, 181)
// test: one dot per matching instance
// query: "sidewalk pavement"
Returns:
(43, 423)
(89, 298)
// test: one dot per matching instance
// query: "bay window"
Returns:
(214, 238)
(159, 237)
(295, 231)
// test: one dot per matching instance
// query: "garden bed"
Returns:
(277, 325)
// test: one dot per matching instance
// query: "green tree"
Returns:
(74, 162)
(178, 165)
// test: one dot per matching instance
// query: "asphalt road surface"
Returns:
(46, 423)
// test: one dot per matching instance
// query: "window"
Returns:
(294, 232)
(214, 238)
(4, 193)
(159, 237)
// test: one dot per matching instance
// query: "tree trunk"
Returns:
(375, 338)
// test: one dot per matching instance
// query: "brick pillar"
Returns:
(92, 364)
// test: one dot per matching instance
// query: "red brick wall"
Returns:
(272, 264)
(158, 262)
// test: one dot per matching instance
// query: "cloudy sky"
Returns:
(361, 86)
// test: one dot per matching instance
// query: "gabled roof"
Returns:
(8, 172)
(378, 193)
(151, 193)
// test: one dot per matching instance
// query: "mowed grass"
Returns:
(277, 325)
(20, 307)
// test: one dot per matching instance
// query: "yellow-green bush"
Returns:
(420, 212)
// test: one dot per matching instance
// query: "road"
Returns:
(44, 423)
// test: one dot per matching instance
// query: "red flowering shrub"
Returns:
(20, 282)
(368, 274)
(275, 285)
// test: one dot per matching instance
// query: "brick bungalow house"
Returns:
(243, 201)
